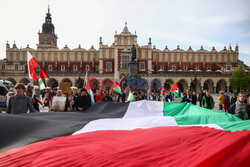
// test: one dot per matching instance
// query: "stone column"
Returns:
(215, 85)
(116, 72)
(100, 61)
(150, 61)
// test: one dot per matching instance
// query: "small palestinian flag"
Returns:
(125, 90)
(116, 88)
(43, 77)
(87, 87)
(162, 89)
(130, 96)
(175, 90)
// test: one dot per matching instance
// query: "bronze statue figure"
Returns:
(133, 51)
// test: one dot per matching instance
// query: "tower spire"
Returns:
(48, 6)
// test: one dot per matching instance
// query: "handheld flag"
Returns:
(162, 89)
(87, 87)
(43, 77)
(116, 88)
(125, 90)
(32, 64)
(175, 90)
(130, 96)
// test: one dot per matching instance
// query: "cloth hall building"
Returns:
(200, 69)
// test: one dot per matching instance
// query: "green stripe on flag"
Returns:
(188, 114)
(117, 90)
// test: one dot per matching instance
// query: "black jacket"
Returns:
(106, 98)
(194, 99)
(187, 99)
(83, 102)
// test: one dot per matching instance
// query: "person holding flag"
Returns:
(43, 77)
(188, 98)
(130, 96)
(175, 90)
(88, 89)
(123, 96)
(116, 88)
(32, 64)
(83, 101)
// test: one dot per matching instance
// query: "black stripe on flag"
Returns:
(23, 129)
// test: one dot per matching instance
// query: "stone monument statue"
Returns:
(133, 51)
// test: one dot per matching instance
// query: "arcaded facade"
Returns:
(200, 69)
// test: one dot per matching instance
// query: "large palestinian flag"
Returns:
(142, 133)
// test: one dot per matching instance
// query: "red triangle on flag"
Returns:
(174, 87)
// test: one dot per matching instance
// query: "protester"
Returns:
(168, 97)
(115, 97)
(226, 102)
(33, 98)
(83, 102)
(30, 87)
(233, 99)
(106, 96)
(59, 93)
(99, 95)
(9, 94)
(240, 107)
(143, 96)
(200, 96)
(123, 97)
(69, 103)
(188, 97)
(194, 98)
(47, 99)
(149, 96)
(207, 101)
(157, 97)
(136, 97)
(18, 104)
(74, 96)
(220, 101)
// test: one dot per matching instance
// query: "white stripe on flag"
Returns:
(127, 123)
(139, 114)
(144, 108)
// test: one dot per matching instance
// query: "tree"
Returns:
(239, 80)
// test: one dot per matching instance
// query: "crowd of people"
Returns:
(26, 100)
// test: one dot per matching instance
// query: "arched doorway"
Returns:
(52, 82)
(144, 84)
(13, 81)
(107, 84)
(167, 84)
(66, 80)
(79, 83)
(94, 84)
(156, 85)
(24, 81)
(209, 85)
(221, 86)
(182, 85)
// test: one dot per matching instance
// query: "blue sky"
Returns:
(168, 22)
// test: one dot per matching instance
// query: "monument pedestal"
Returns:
(133, 69)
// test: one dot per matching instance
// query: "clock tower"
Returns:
(48, 38)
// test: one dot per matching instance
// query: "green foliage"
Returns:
(239, 79)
